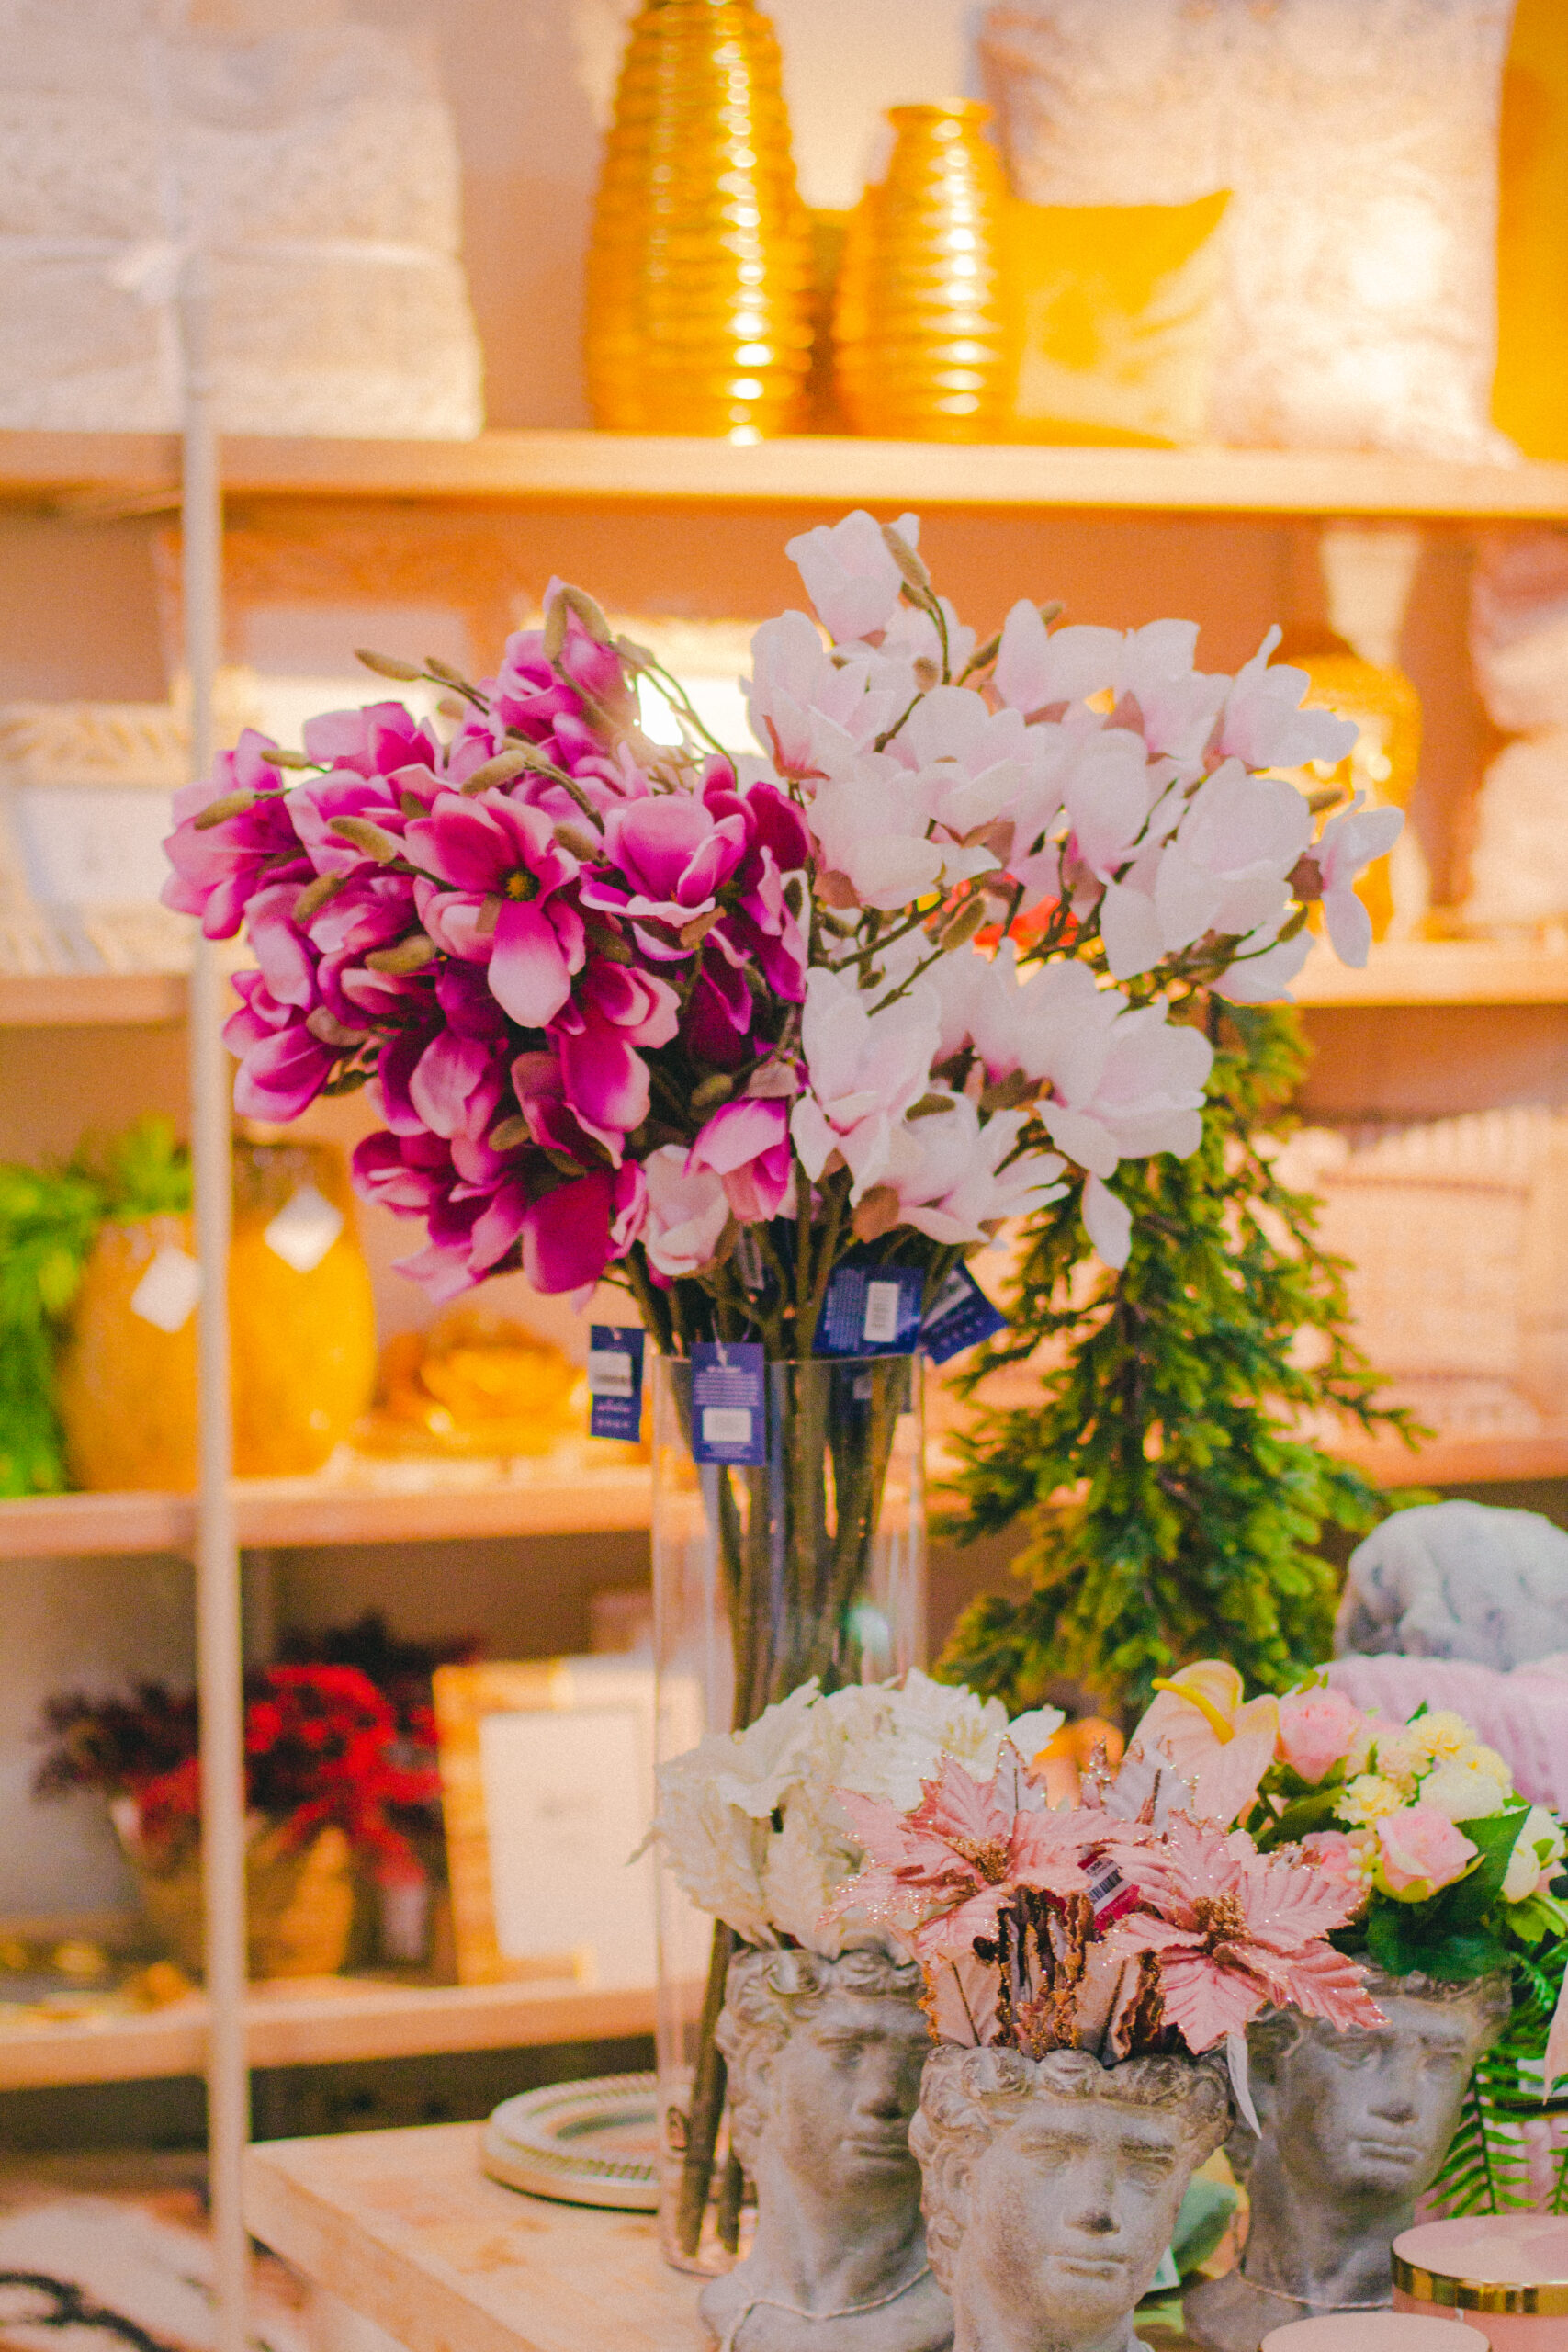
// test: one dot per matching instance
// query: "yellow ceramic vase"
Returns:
(927, 324)
(700, 273)
(301, 1323)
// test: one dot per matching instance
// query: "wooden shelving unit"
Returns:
(531, 1501)
(126, 470)
(318, 2020)
(91, 1000)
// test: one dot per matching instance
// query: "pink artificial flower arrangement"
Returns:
(622, 1004)
(1123, 1926)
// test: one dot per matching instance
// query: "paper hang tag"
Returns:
(304, 1229)
(615, 1380)
(167, 1293)
(960, 1315)
(871, 1311)
(729, 1407)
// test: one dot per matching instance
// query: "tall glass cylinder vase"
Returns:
(811, 1562)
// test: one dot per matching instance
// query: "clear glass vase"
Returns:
(811, 1562)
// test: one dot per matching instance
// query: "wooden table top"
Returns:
(405, 2229)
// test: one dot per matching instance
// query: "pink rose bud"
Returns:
(1419, 1851)
(1318, 1730)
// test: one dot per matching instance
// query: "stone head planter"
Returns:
(825, 2060)
(1356, 2126)
(1052, 2187)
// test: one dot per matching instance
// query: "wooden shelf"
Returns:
(316, 2021)
(1436, 972)
(289, 1511)
(91, 1000)
(1460, 1461)
(126, 470)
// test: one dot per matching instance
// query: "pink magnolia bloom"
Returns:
(1347, 843)
(865, 1070)
(759, 921)
(746, 1146)
(613, 1011)
(504, 906)
(1419, 1851)
(849, 575)
(571, 1234)
(687, 1212)
(673, 854)
(1318, 1730)
(948, 1171)
(375, 741)
(1145, 1096)
(218, 868)
(283, 1067)
(1036, 670)
(802, 705)
(1234, 1931)
(871, 826)
(1223, 871)
(940, 1875)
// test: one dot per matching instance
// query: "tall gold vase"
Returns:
(700, 275)
(927, 325)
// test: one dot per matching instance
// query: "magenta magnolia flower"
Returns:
(674, 854)
(218, 868)
(377, 741)
(613, 1011)
(940, 1875)
(505, 870)
(1234, 1930)
(746, 1144)
(283, 1065)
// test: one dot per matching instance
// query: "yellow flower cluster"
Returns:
(1435, 1760)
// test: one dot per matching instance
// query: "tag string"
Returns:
(849, 2310)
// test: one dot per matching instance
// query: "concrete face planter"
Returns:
(825, 2060)
(1052, 2186)
(1354, 2128)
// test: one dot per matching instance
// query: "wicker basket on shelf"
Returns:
(300, 1895)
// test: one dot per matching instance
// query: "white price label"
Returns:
(726, 1425)
(167, 1293)
(304, 1229)
(881, 1323)
(609, 1373)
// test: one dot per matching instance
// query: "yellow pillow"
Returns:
(1119, 320)
(1530, 393)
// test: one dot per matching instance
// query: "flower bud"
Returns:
(218, 813)
(410, 955)
(374, 840)
(494, 772)
(388, 665)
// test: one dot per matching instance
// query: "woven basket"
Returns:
(300, 1899)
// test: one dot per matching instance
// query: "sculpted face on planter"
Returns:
(825, 2060)
(1052, 2187)
(1354, 2128)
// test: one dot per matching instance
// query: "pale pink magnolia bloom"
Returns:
(1110, 787)
(940, 1875)
(802, 706)
(1264, 724)
(865, 1070)
(1219, 1747)
(1224, 871)
(947, 1171)
(1037, 668)
(1347, 843)
(870, 823)
(746, 1144)
(1419, 1851)
(1265, 979)
(687, 1212)
(1147, 1095)
(849, 575)
(1318, 1729)
(1236, 1931)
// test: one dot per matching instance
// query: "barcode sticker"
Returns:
(870, 1310)
(1110, 1895)
(615, 1380)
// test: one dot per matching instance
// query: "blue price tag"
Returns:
(960, 1315)
(730, 1401)
(615, 1380)
(871, 1311)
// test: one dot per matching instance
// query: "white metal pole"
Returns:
(218, 1631)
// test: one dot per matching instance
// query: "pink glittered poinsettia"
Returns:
(1234, 1931)
(941, 1874)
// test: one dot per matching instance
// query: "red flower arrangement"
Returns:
(322, 1746)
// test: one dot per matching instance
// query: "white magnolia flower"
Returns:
(849, 573)
(870, 823)
(687, 1210)
(1264, 724)
(1265, 977)
(1110, 789)
(947, 1171)
(1147, 1096)
(1347, 843)
(1224, 870)
(864, 1068)
(803, 706)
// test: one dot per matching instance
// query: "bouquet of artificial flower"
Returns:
(1450, 1872)
(623, 1003)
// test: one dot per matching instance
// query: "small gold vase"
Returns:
(927, 324)
(701, 273)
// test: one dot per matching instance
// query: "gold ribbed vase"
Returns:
(926, 327)
(700, 276)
